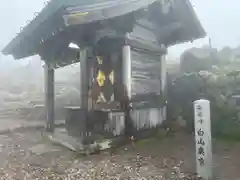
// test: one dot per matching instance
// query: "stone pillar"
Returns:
(49, 96)
(203, 138)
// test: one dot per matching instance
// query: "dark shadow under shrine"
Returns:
(121, 46)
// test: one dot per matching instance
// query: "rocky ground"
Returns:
(26, 155)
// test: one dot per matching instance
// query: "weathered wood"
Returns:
(49, 96)
(84, 83)
(127, 69)
(84, 79)
(127, 86)
(145, 73)
(51, 21)
(163, 75)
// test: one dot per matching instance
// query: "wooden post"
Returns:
(203, 138)
(84, 79)
(84, 93)
(163, 85)
(127, 87)
(49, 96)
(127, 69)
(163, 72)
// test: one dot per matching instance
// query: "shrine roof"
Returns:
(54, 19)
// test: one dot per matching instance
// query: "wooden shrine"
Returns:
(121, 46)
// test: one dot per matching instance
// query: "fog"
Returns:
(218, 17)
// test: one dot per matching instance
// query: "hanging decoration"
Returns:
(101, 78)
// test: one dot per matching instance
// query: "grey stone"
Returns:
(43, 148)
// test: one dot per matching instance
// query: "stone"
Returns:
(43, 148)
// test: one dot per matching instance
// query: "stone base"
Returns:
(61, 137)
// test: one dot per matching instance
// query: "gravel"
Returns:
(18, 162)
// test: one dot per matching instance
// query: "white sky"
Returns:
(220, 19)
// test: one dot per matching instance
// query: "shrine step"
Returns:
(61, 137)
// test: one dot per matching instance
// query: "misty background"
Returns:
(218, 17)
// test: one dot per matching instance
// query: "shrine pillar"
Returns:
(127, 69)
(84, 130)
(49, 96)
(163, 80)
(163, 74)
(83, 80)
(127, 85)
